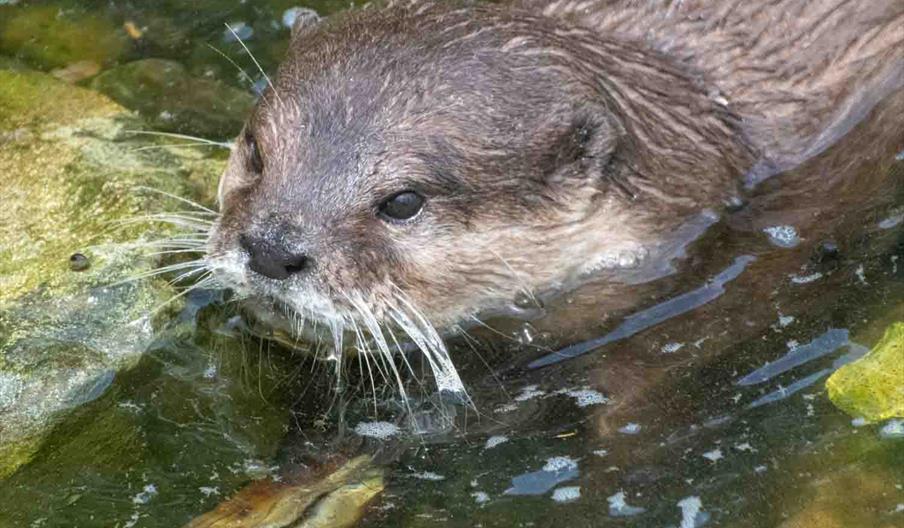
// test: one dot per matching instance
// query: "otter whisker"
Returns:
(163, 269)
(254, 59)
(370, 322)
(200, 216)
(206, 280)
(402, 355)
(524, 288)
(177, 251)
(175, 145)
(241, 70)
(362, 355)
(162, 247)
(471, 342)
(163, 244)
(186, 201)
(364, 349)
(425, 336)
(199, 140)
(491, 329)
(195, 224)
(336, 354)
(187, 274)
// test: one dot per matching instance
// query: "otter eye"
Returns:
(402, 206)
(255, 161)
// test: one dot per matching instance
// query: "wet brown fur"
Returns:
(541, 132)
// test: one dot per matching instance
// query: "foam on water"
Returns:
(494, 441)
(618, 506)
(692, 514)
(783, 236)
(630, 429)
(380, 430)
(587, 397)
(566, 494)
(560, 463)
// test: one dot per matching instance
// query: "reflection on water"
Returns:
(650, 317)
(695, 401)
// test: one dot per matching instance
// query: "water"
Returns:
(697, 401)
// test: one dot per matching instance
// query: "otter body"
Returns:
(418, 165)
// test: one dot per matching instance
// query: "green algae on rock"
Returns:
(872, 387)
(173, 100)
(69, 173)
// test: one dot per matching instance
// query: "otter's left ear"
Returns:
(583, 147)
(299, 19)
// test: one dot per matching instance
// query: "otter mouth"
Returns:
(336, 331)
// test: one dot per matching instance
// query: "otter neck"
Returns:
(801, 73)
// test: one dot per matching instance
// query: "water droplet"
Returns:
(526, 334)
(527, 301)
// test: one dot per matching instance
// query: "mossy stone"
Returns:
(173, 100)
(48, 37)
(873, 386)
(69, 171)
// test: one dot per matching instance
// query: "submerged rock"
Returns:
(69, 173)
(49, 37)
(169, 97)
(872, 387)
(855, 495)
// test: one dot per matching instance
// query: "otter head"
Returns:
(424, 168)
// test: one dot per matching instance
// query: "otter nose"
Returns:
(272, 259)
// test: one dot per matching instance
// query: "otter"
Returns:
(415, 166)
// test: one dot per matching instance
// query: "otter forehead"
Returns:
(355, 117)
(354, 75)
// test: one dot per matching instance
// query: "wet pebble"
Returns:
(79, 262)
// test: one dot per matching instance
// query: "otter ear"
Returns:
(299, 19)
(583, 147)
